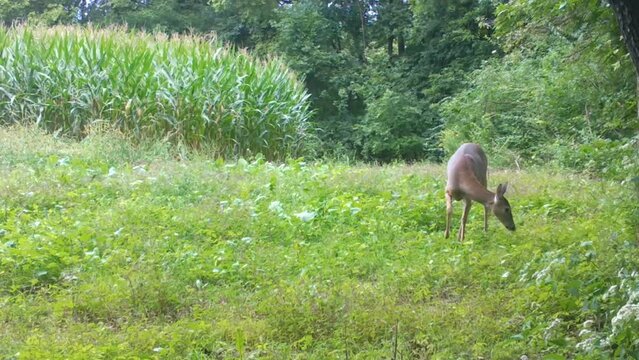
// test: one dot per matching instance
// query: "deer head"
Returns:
(501, 208)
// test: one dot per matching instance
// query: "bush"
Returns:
(394, 128)
(574, 108)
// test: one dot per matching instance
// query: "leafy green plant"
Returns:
(187, 89)
(122, 251)
(557, 95)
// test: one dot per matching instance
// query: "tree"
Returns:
(248, 23)
(627, 13)
(43, 11)
(322, 41)
(170, 16)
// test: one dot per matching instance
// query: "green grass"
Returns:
(187, 89)
(109, 250)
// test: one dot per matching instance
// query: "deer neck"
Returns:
(477, 192)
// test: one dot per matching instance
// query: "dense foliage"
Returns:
(559, 94)
(114, 251)
(188, 89)
(361, 60)
(533, 81)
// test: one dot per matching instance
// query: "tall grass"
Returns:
(187, 89)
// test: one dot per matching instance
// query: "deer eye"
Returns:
(507, 209)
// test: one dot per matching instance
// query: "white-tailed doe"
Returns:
(467, 181)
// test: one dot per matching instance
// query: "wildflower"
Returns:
(306, 216)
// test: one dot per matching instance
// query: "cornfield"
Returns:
(187, 89)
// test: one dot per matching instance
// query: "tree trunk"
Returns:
(627, 13)
(391, 40)
(362, 19)
(401, 45)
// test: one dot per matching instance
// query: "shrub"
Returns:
(572, 106)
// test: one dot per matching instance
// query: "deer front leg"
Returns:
(462, 228)
(449, 213)
(486, 208)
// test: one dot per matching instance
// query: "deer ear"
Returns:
(501, 189)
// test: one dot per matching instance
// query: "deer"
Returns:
(467, 181)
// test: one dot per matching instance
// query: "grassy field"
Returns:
(113, 251)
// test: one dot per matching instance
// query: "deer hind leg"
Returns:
(462, 228)
(449, 213)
